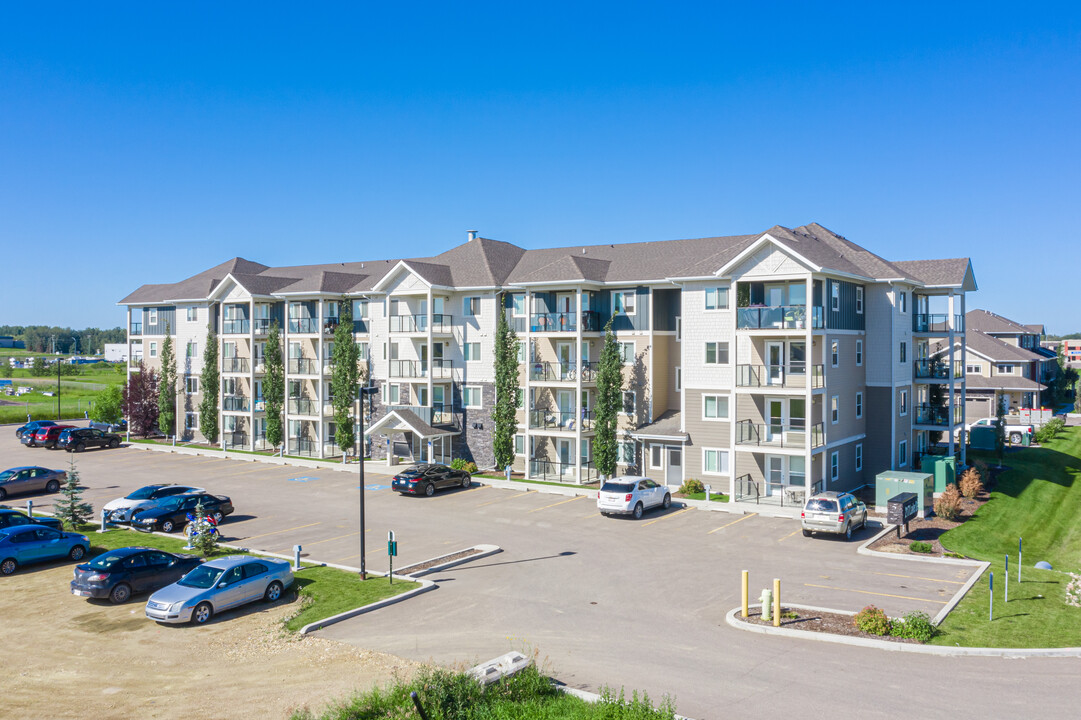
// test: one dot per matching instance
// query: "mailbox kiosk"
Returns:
(901, 508)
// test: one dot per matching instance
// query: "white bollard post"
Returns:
(296, 557)
(29, 508)
(709, 488)
(103, 525)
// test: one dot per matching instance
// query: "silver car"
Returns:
(632, 496)
(833, 512)
(218, 585)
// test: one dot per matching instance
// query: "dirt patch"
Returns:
(94, 659)
(824, 622)
(413, 569)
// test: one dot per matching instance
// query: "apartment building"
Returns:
(767, 365)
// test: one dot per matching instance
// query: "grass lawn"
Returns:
(1039, 500)
(491, 476)
(713, 497)
(331, 591)
(76, 393)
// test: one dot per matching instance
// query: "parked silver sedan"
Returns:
(833, 512)
(218, 585)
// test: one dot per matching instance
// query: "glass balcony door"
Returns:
(775, 363)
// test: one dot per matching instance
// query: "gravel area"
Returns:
(825, 622)
(410, 569)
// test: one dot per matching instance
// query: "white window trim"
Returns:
(152, 316)
(660, 454)
(717, 473)
(622, 458)
(622, 354)
(835, 409)
(623, 310)
(835, 466)
(679, 329)
(835, 353)
(719, 344)
(859, 353)
(902, 352)
(634, 403)
(902, 402)
(859, 457)
(480, 396)
(525, 305)
(718, 290)
(679, 379)
(835, 296)
(465, 306)
(467, 353)
(728, 407)
(859, 300)
(187, 385)
(902, 449)
(516, 453)
(153, 349)
(859, 405)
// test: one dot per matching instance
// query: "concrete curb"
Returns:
(944, 650)
(485, 551)
(425, 586)
(244, 457)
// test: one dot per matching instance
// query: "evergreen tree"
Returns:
(344, 378)
(609, 402)
(211, 387)
(1000, 429)
(167, 387)
(70, 508)
(141, 401)
(507, 393)
(202, 533)
(108, 406)
(274, 386)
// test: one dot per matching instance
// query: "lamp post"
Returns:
(58, 387)
(360, 461)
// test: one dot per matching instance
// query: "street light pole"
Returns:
(360, 461)
(58, 389)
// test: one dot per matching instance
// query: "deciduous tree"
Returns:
(274, 386)
(210, 386)
(167, 386)
(344, 378)
(109, 405)
(609, 402)
(507, 393)
(141, 401)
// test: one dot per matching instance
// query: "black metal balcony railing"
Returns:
(136, 328)
(330, 325)
(557, 420)
(939, 415)
(442, 323)
(304, 325)
(560, 472)
(563, 322)
(234, 327)
(562, 371)
(301, 446)
(792, 375)
(937, 323)
(441, 415)
(302, 366)
(261, 326)
(231, 440)
(234, 365)
(409, 323)
(360, 325)
(442, 369)
(518, 323)
(930, 370)
(780, 317)
(779, 436)
(408, 369)
(235, 403)
(302, 406)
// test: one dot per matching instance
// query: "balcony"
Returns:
(135, 361)
(302, 406)
(235, 327)
(938, 415)
(558, 420)
(779, 317)
(792, 375)
(779, 436)
(747, 489)
(408, 323)
(937, 324)
(302, 447)
(330, 325)
(303, 325)
(235, 403)
(562, 372)
(136, 329)
(442, 369)
(234, 365)
(302, 366)
(235, 440)
(408, 369)
(931, 370)
(560, 472)
(261, 326)
(563, 322)
(441, 415)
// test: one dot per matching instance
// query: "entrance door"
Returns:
(674, 473)
(775, 429)
(566, 456)
(774, 474)
(775, 363)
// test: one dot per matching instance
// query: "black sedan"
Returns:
(427, 478)
(79, 439)
(172, 513)
(14, 518)
(118, 574)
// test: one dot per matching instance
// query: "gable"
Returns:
(769, 261)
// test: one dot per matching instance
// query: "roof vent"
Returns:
(583, 251)
(471, 234)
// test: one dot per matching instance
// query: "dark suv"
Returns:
(79, 439)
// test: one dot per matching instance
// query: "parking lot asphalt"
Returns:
(607, 600)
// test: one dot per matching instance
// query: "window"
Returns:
(472, 352)
(835, 409)
(835, 466)
(679, 379)
(362, 351)
(625, 452)
(903, 402)
(519, 445)
(835, 353)
(835, 295)
(517, 305)
(902, 453)
(191, 421)
(471, 306)
(1002, 369)
(859, 353)
(717, 353)
(656, 457)
(628, 402)
(193, 349)
(192, 316)
(626, 352)
(717, 299)
(679, 329)
(859, 457)
(623, 302)
(714, 462)
(859, 300)
(152, 316)
(974, 369)
(153, 349)
(859, 405)
(191, 385)
(360, 309)
(714, 407)
(521, 351)
(393, 393)
(903, 354)
(471, 397)
(902, 301)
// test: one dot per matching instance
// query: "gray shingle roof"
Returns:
(949, 271)
(993, 348)
(1002, 382)
(668, 425)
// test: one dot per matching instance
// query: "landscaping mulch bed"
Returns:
(823, 622)
(411, 569)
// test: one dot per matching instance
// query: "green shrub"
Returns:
(462, 464)
(1049, 430)
(691, 486)
(916, 626)
(921, 547)
(872, 620)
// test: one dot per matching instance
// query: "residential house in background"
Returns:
(768, 365)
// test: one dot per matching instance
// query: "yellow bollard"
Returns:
(776, 602)
(746, 590)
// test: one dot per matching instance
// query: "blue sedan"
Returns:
(27, 544)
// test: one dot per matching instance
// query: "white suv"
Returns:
(631, 496)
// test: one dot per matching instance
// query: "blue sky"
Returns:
(141, 143)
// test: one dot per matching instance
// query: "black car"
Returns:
(79, 439)
(32, 427)
(117, 427)
(427, 478)
(172, 513)
(118, 574)
(14, 518)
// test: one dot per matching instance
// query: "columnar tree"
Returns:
(167, 386)
(141, 401)
(1000, 428)
(70, 508)
(507, 393)
(609, 402)
(344, 378)
(211, 387)
(274, 386)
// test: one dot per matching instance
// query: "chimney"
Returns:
(471, 234)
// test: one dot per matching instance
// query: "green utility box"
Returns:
(943, 467)
(982, 438)
(890, 483)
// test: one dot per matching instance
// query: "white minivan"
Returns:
(631, 496)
